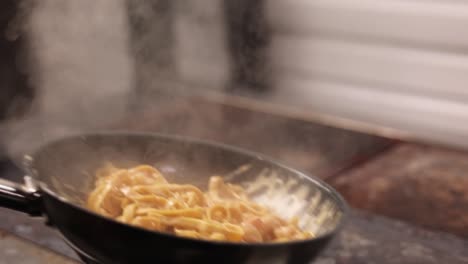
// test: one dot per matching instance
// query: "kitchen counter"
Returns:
(424, 185)
(374, 239)
(366, 238)
(16, 250)
(360, 166)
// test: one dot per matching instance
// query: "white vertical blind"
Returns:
(433, 23)
(396, 63)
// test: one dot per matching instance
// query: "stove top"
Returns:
(16, 250)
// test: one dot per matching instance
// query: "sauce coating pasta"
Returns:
(141, 196)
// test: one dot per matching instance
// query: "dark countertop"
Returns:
(34, 230)
(373, 239)
(17, 250)
(365, 239)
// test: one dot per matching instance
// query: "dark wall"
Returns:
(248, 41)
(15, 94)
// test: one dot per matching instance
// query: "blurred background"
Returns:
(395, 68)
(369, 95)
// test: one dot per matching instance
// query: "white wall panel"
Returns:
(429, 118)
(399, 64)
(408, 70)
(439, 23)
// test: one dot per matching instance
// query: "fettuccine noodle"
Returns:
(141, 196)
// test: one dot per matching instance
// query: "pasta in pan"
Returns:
(141, 196)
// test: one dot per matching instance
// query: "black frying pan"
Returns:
(62, 174)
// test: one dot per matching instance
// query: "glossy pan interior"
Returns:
(64, 171)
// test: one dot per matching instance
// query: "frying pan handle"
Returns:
(20, 197)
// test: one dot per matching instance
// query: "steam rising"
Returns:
(80, 65)
(86, 58)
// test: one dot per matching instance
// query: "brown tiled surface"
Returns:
(423, 185)
(317, 149)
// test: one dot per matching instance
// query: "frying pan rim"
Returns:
(340, 201)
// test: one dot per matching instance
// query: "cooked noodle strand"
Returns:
(141, 196)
